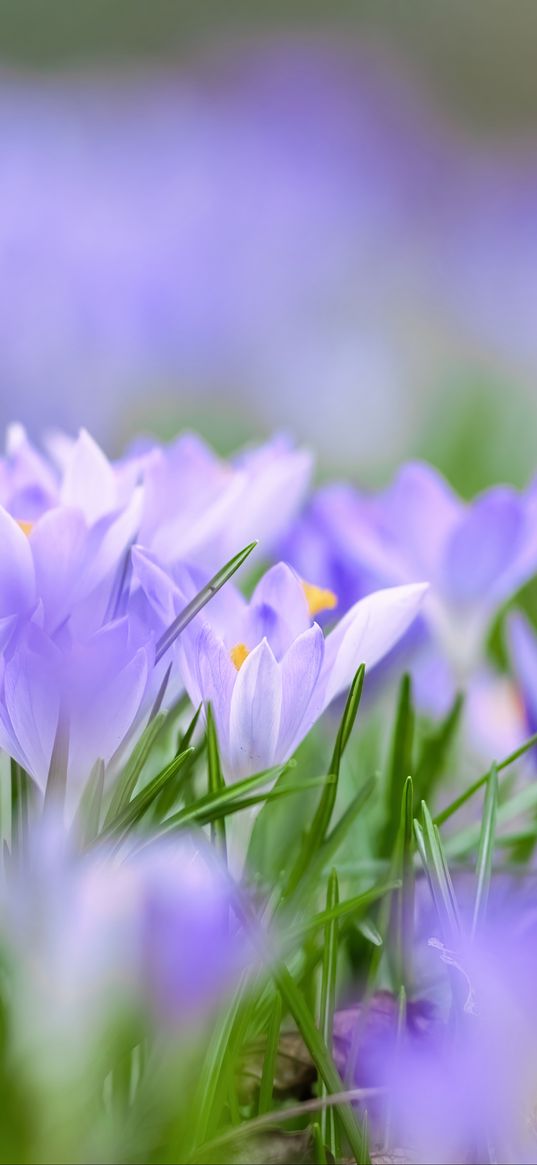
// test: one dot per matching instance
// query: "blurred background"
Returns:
(297, 216)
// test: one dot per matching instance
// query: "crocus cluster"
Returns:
(118, 619)
(100, 558)
(475, 555)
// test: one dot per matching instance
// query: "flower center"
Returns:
(319, 599)
(26, 527)
(238, 654)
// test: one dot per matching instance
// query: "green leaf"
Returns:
(318, 1145)
(294, 1000)
(269, 1063)
(404, 898)
(230, 799)
(23, 793)
(401, 763)
(200, 600)
(339, 910)
(396, 919)
(436, 868)
(56, 786)
(216, 783)
(467, 839)
(88, 815)
(370, 932)
(321, 1057)
(320, 858)
(435, 749)
(316, 833)
(472, 789)
(328, 1001)
(486, 848)
(128, 779)
(223, 1043)
(135, 810)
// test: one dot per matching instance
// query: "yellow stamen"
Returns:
(319, 599)
(26, 527)
(238, 654)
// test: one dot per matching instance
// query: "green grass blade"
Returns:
(433, 858)
(323, 814)
(142, 802)
(370, 932)
(294, 1001)
(435, 749)
(213, 1080)
(515, 806)
(128, 779)
(404, 898)
(269, 1062)
(216, 784)
(319, 1149)
(321, 1057)
(200, 600)
(328, 1001)
(325, 853)
(87, 820)
(340, 910)
(400, 764)
(486, 849)
(226, 800)
(457, 804)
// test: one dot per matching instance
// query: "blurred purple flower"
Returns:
(99, 935)
(85, 694)
(474, 555)
(522, 644)
(271, 225)
(460, 1086)
(203, 510)
(266, 668)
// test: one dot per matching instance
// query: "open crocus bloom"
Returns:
(267, 669)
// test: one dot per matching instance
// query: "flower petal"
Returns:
(17, 576)
(255, 714)
(366, 633)
(89, 482)
(301, 667)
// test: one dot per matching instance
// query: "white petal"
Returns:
(89, 481)
(255, 713)
(301, 667)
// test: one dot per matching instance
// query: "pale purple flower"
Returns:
(201, 509)
(85, 693)
(460, 1083)
(522, 645)
(95, 936)
(474, 555)
(266, 667)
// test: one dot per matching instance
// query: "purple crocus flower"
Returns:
(201, 509)
(266, 667)
(522, 644)
(99, 934)
(475, 556)
(460, 1086)
(84, 695)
